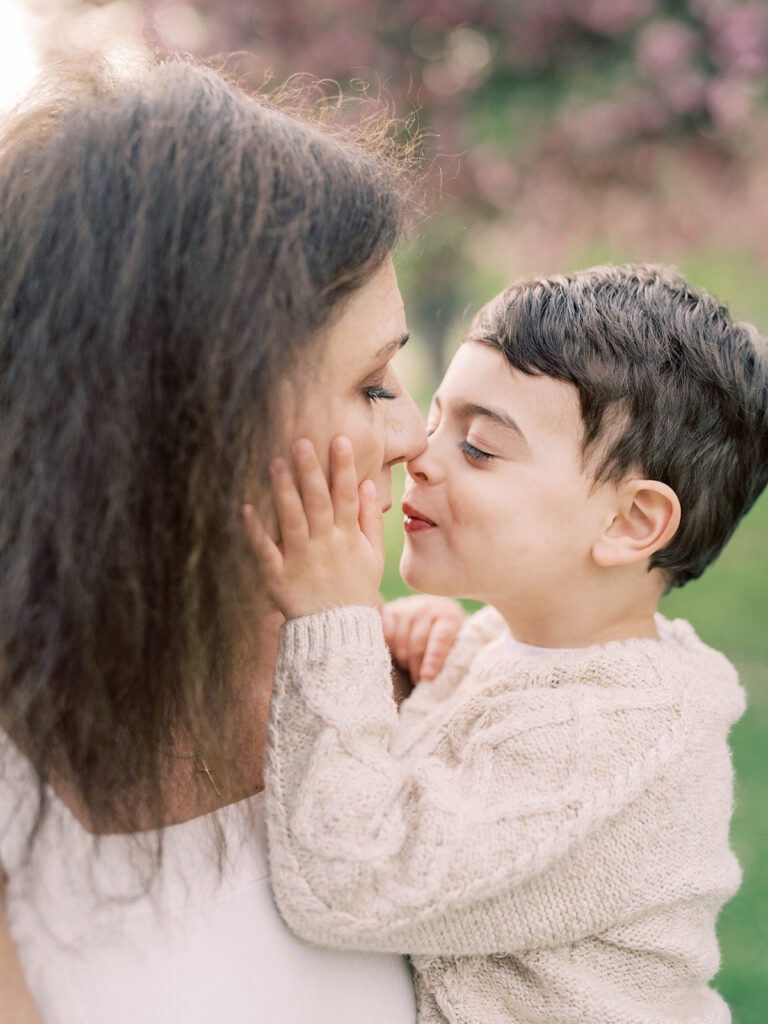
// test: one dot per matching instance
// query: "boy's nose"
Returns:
(425, 467)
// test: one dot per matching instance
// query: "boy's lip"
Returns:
(416, 518)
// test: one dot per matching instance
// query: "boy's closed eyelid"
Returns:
(482, 442)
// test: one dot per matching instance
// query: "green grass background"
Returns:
(728, 606)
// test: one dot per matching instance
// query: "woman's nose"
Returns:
(406, 433)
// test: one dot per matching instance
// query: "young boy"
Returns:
(543, 828)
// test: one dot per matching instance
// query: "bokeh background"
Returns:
(558, 134)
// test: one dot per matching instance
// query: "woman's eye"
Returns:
(474, 453)
(374, 394)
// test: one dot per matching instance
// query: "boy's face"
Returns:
(503, 484)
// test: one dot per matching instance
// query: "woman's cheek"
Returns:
(367, 436)
(369, 461)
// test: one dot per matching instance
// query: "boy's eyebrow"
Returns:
(392, 346)
(465, 410)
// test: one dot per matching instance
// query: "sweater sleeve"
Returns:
(453, 852)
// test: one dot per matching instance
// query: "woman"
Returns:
(191, 278)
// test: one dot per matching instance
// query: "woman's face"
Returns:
(351, 387)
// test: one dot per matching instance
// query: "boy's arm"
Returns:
(423, 852)
(462, 850)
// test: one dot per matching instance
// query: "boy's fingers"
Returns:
(314, 488)
(346, 503)
(291, 518)
(439, 643)
(259, 541)
(401, 638)
(371, 518)
(417, 645)
(389, 626)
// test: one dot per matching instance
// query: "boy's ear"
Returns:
(645, 520)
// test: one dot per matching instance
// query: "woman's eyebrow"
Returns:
(391, 347)
(465, 410)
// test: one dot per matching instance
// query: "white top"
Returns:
(198, 948)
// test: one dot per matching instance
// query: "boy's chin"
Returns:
(409, 572)
(418, 577)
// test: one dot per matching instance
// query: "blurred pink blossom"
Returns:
(352, 46)
(611, 16)
(634, 126)
(453, 12)
(495, 174)
(740, 38)
(705, 8)
(665, 46)
(729, 101)
(685, 92)
(605, 124)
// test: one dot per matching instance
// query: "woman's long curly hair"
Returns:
(169, 247)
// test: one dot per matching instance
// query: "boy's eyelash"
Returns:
(374, 394)
(472, 452)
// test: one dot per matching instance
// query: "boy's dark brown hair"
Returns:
(669, 386)
(169, 248)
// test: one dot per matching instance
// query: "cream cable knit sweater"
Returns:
(547, 836)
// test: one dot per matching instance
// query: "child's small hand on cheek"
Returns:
(331, 548)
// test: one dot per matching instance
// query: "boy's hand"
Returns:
(420, 631)
(331, 549)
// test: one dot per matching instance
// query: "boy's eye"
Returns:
(474, 453)
(376, 394)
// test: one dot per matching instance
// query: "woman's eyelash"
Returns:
(375, 394)
(474, 453)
